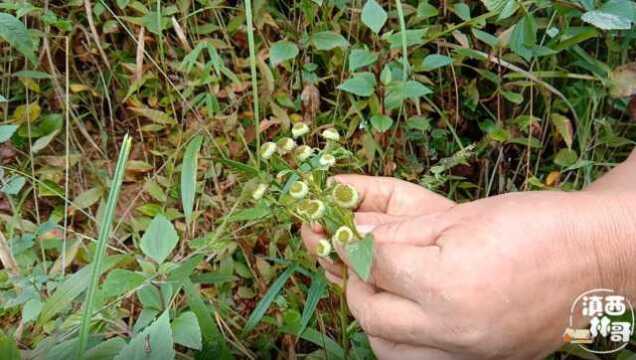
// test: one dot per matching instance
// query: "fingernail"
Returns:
(365, 228)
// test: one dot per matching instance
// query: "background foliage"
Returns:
(493, 96)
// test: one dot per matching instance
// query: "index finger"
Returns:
(393, 196)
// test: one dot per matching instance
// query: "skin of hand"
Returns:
(490, 279)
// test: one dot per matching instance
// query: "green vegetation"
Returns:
(187, 245)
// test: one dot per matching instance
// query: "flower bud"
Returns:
(259, 191)
(298, 190)
(267, 150)
(343, 236)
(345, 196)
(285, 145)
(303, 152)
(327, 160)
(323, 248)
(299, 129)
(331, 134)
(314, 209)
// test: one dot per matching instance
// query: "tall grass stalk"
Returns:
(250, 41)
(100, 251)
(405, 56)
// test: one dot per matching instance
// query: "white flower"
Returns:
(331, 134)
(299, 129)
(343, 236)
(345, 196)
(259, 191)
(327, 160)
(323, 248)
(285, 145)
(314, 209)
(298, 190)
(267, 150)
(303, 152)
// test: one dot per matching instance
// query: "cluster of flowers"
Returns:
(302, 188)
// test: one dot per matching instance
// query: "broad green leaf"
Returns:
(282, 51)
(8, 348)
(159, 239)
(88, 198)
(613, 15)
(435, 61)
(255, 213)
(373, 15)
(261, 308)
(362, 84)
(360, 255)
(327, 40)
(413, 37)
(564, 126)
(489, 39)
(426, 10)
(31, 310)
(13, 185)
(402, 90)
(361, 58)
(462, 10)
(122, 3)
(189, 176)
(565, 157)
(120, 281)
(186, 330)
(381, 122)
(524, 37)
(514, 98)
(155, 342)
(505, 8)
(6, 132)
(16, 34)
(43, 142)
(105, 350)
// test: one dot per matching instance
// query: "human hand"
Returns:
(489, 279)
(382, 200)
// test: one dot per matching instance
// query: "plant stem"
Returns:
(405, 60)
(100, 251)
(250, 41)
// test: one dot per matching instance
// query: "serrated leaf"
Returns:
(16, 34)
(186, 330)
(381, 122)
(155, 342)
(361, 58)
(373, 15)
(282, 51)
(159, 239)
(189, 176)
(6, 132)
(327, 40)
(360, 255)
(362, 84)
(435, 61)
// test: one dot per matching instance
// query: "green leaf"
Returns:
(462, 10)
(524, 37)
(43, 142)
(262, 306)
(327, 40)
(489, 39)
(361, 58)
(189, 176)
(426, 10)
(381, 122)
(413, 37)
(3, 99)
(8, 348)
(360, 255)
(105, 350)
(435, 61)
(514, 98)
(565, 157)
(613, 15)
(88, 198)
(564, 127)
(122, 3)
(282, 51)
(403, 90)
(17, 35)
(13, 185)
(31, 310)
(362, 84)
(120, 281)
(505, 8)
(255, 213)
(6, 132)
(373, 15)
(186, 330)
(155, 342)
(315, 293)
(159, 239)
(33, 74)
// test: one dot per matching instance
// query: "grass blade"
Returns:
(266, 301)
(316, 291)
(250, 41)
(189, 176)
(405, 54)
(104, 233)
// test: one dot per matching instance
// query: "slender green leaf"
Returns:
(262, 306)
(315, 293)
(8, 348)
(16, 34)
(189, 176)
